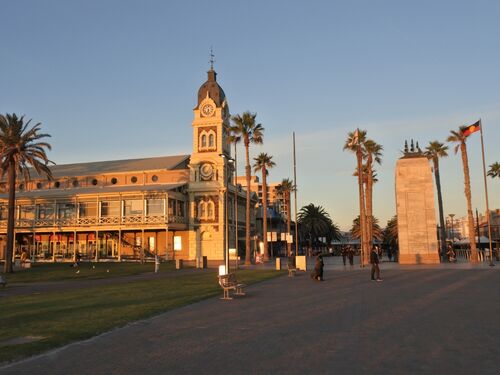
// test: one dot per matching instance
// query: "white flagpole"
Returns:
(295, 198)
(486, 196)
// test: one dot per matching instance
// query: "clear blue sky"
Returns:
(114, 79)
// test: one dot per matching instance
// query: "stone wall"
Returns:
(417, 233)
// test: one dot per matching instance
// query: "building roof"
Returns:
(212, 88)
(94, 190)
(117, 166)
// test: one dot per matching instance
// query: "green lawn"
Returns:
(62, 271)
(63, 317)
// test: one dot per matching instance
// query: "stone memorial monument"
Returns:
(417, 233)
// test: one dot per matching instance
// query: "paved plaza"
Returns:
(419, 320)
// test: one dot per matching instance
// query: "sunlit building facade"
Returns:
(173, 206)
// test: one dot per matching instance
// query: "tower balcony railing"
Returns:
(96, 221)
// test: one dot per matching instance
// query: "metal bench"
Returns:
(228, 283)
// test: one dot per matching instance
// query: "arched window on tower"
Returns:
(202, 212)
(211, 210)
(203, 141)
(211, 140)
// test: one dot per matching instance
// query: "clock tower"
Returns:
(210, 171)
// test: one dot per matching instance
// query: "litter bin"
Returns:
(178, 264)
(278, 264)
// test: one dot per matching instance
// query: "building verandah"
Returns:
(109, 226)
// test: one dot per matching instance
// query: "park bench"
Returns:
(3, 282)
(228, 283)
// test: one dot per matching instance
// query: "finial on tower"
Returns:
(212, 60)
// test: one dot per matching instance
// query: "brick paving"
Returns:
(419, 320)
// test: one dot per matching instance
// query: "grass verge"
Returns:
(41, 272)
(61, 318)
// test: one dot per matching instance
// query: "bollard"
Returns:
(278, 264)
(157, 264)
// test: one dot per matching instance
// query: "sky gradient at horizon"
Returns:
(118, 79)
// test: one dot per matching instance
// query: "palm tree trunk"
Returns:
(288, 224)
(264, 211)
(248, 257)
(442, 231)
(362, 213)
(10, 218)
(369, 206)
(468, 196)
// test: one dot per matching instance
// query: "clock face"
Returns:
(207, 110)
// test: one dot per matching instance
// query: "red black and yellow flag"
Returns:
(468, 130)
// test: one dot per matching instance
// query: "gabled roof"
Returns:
(117, 166)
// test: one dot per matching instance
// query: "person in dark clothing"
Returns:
(317, 274)
(344, 254)
(374, 260)
(350, 255)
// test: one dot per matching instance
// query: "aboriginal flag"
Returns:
(468, 130)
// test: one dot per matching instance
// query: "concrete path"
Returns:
(416, 321)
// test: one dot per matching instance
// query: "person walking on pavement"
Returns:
(374, 260)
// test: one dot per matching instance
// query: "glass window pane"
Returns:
(27, 212)
(133, 207)
(66, 210)
(155, 206)
(87, 209)
(45, 211)
(110, 208)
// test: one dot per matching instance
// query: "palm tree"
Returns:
(246, 128)
(494, 170)
(20, 148)
(285, 189)
(354, 144)
(315, 222)
(390, 235)
(373, 154)
(262, 163)
(434, 151)
(376, 230)
(459, 138)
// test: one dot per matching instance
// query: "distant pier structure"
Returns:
(416, 213)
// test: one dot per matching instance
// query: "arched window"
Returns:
(202, 213)
(210, 213)
(211, 140)
(203, 141)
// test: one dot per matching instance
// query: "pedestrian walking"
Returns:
(344, 254)
(374, 260)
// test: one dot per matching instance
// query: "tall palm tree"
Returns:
(459, 138)
(354, 144)
(373, 154)
(434, 151)
(285, 189)
(494, 170)
(245, 127)
(315, 222)
(263, 162)
(20, 148)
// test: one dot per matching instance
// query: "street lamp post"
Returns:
(226, 211)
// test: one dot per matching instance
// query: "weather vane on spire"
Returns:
(212, 60)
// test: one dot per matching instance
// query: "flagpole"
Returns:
(486, 195)
(295, 198)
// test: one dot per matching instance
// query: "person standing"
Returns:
(344, 254)
(350, 254)
(374, 260)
